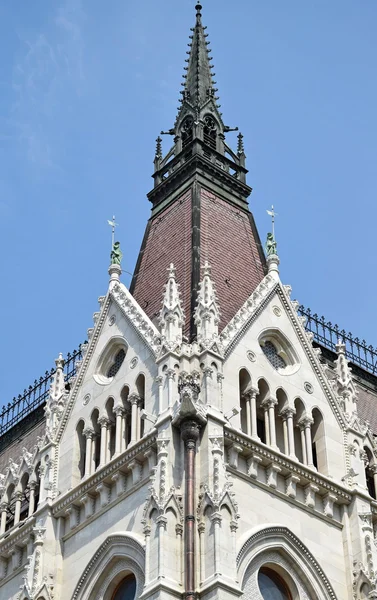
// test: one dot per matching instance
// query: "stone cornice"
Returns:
(87, 484)
(17, 535)
(292, 466)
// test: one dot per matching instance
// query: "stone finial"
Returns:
(171, 316)
(158, 154)
(207, 312)
(240, 144)
(57, 385)
(345, 386)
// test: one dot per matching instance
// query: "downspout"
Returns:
(190, 435)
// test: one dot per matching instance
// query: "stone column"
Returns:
(248, 413)
(287, 414)
(161, 523)
(291, 438)
(266, 423)
(160, 383)
(32, 486)
(42, 491)
(147, 534)
(179, 534)
(233, 531)
(253, 406)
(216, 520)
(89, 434)
(303, 443)
(285, 433)
(134, 398)
(104, 424)
(3, 521)
(170, 374)
(17, 508)
(190, 436)
(307, 423)
(201, 531)
(271, 403)
(119, 412)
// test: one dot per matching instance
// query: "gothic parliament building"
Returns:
(212, 439)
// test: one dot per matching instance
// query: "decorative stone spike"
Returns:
(345, 386)
(240, 146)
(207, 312)
(171, 316)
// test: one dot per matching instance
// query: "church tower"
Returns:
(205, 443)
(200, 208)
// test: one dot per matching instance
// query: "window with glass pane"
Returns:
(126, 590)
(118, 361)
(272, 587)
(272, 355)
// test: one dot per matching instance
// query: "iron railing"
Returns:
(36, 394)
(326, 334)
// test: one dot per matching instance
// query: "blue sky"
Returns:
(86, 86)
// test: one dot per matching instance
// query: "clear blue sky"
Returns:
(86, 86)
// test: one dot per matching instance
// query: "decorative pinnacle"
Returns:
(158, 147)
(198, 9)
(240, 147)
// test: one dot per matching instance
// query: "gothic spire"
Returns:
(199, 84)
(171, 315)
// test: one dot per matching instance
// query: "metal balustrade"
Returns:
(35, 395)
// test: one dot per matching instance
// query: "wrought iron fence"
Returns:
(326, 334)
(36, 394)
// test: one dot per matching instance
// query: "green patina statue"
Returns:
(116, 254)
(271, 245)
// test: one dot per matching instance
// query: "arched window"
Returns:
(272, 586)
(126, 590)
(244, 384)
(96, 439)
(262, 414)
(112, 428)
(368, 474)
(81, 448)
(210, 133)
(187, 131)
(319, 442)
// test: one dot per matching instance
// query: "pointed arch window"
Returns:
(187, 131)
(210, 132)
(126, 590)
(272, 586)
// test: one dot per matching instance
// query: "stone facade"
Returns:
(203, 441)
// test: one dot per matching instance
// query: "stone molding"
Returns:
(130, 553)
(94, 480)
(291, 546)
(284, 461)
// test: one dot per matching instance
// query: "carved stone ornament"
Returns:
(251, 356)
(86, 399)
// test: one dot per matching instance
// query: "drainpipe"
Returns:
(190, 435)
